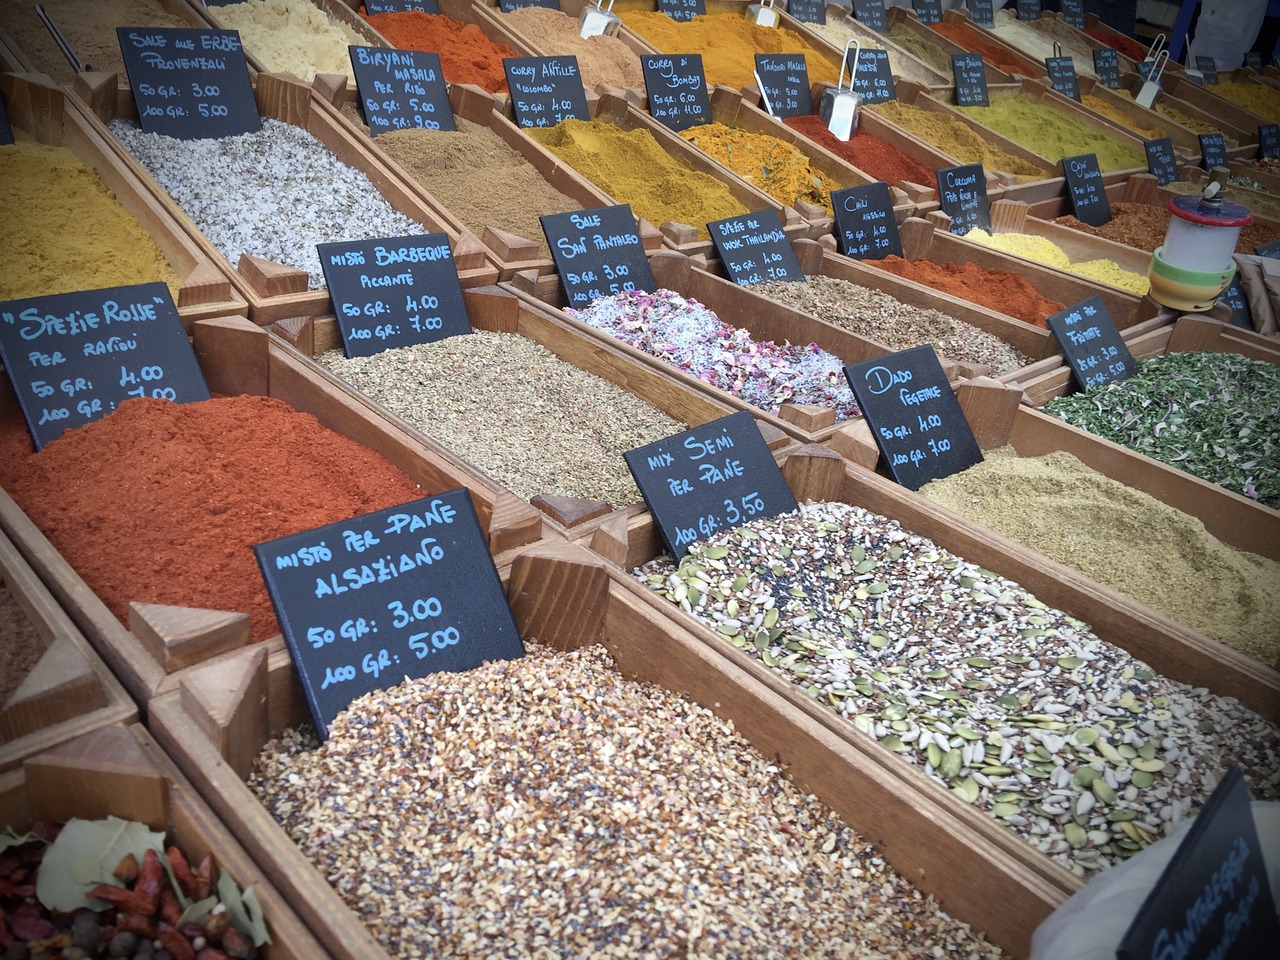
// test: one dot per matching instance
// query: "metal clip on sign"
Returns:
(1146, 95)
(597, 21)
(762, 14)
(839, 107)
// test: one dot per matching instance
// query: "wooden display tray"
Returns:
(44, 111)
(916, 70)
(1186, 143)
(501, 311)
(69, 690)
(565, 596)
(122, 772)
(275, 291)
(511, 253)
(901, 15)
(1245, 196)
(1234, 121)
(766, 319)
(1093, 22)
(1030, 69)
(239, 357)
(1239, 168)
(612, 107)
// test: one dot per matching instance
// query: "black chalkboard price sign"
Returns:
(870, 13)
(1253, 60)
(75, 357)
(403, 592)
(189, 84)
(1085, 189)
(1213, 151)
(683, 10)
(1269, 140)
(677, 89)
(1106, 65)
(401, 89)
(1144, 69)
(509, 6)
(808, 11)
(401, 6)
(597, 253)
(785, 79)
(1209, 67)
(1029, 10)
(927, 11)
(915, 417)
(1073, 13)
(962, 192)
(1091, 343)
(873, 80)
(711, 478)
(1161, 162)
(1233, 297)
(545, 90)
(981, 12)
(1062, 75)
(1269, 249)
(754, 249)
(393, 292)
(865, 225)
(1214, 898)
(6, 131)
(970, 75)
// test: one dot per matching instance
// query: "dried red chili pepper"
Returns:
(236, 944)
(127, 869)
(204, 878)
(170, 908)
(175, 943)
(136, 923)
(125, 900)
(182, 871)
(151, 880)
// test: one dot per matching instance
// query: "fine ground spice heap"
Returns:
(292, 36)
(1043, 250)
(631, 167)
(1214, 415)
(899, 326)
(1109, 110)
(514, 409)
(1009, 293)
(601, 59)
(969, 38)
(920, 46)
(476, 176)
(1124, 539)
(690, 337)
(1257, 97)
(273, 194)
(953, 137)
(1037, 44)
(837, 32)
(778, 168)
(160, 502)
(548, 807)
(1018, 708)
(1052, 134)
(869, 153)
(466, 54)
(1143, 225)
(64, 231)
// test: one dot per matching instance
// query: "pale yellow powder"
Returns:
(292, 36)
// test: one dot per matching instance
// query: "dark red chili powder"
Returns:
(1130, 48)
(161, 502)
(967, 37)
(865, 151)
(466, 54)
(997, 290)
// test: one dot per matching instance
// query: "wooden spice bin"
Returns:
(499, 310)
(68, 691)
(239, 357)
(1027, 67)
(896, 15)
(572, 9)
(910, 67)
(565, 596)
(275, 291)
(1186, 143)
(45, 112)
(1234, 121)
(122, 771)
(509, 252)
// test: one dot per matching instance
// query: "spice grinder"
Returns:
(1193, 266)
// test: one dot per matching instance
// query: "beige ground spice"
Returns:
(1126, 540)
(600, 59)
(478, 178)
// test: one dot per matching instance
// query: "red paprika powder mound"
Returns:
(865, 151)
(161, 502)
(466, 54)
(1130, 48)
(997, 290)
(966, 37)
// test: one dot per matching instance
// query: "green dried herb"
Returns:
(1214, 415)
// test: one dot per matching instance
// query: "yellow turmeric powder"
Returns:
(955, 139)
(1044, 250)
(1112, 112)
(772, 165)
(632, 167)
(64, 231)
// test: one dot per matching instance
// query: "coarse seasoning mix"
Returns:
(160, 502)
(601, 59)
(1124, 539)
(1044, 250)
(953, 137)
(292, 36)
(1143, 225)
(1000, 290)
(547, 807)
(64, 231)
(1017, 708)
(930, 53)
(778, 168)
(514, 409)
(1257, 97)
(899, 326)
(273, 194)
(466, 54)
(690, 337)
(1214, 415)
